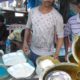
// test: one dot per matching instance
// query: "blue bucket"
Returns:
(3, 72)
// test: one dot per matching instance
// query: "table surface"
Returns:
(11, 78)
(32, 78)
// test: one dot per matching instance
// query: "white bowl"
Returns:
(23, 70)
(3, 72)
(14, 58)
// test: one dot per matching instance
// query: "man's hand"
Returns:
(56, 56)
(25, 48)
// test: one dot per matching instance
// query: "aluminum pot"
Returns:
(72, 67)
(44, 63)
(71, 59)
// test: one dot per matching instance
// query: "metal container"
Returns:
(72, 67)
(71, 59)
(44, 63)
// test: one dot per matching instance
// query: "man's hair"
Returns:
(77, 2)
(1, 18)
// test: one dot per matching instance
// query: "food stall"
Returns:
(15, 18)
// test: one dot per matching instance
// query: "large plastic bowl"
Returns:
(3, 72)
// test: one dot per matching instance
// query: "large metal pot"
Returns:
(71, 59)
(72, 68)
(44, 63)
(76, 49)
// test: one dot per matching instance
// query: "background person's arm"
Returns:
(67, 35)
(11, 36)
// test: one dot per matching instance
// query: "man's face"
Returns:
(78, 6)
(48, 3)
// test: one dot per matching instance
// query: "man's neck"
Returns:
(44, 9)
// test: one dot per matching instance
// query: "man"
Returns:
(17, 38)
(72, 28)
(3, 33)
(44, 21)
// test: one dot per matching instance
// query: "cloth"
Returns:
(33, 57)
(44, 26)
(15, 35)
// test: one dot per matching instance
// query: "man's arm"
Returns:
(66, 42)
(27, 33)
(60, 34)
(58, 47)
(25, 44)
(67, 32)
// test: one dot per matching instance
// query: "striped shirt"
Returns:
(73, 26)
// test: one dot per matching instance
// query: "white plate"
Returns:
(14, 58)
(23, 70)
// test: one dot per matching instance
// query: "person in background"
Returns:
(72, 28)
(3, 33)
(17, 38)
(44, 21)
